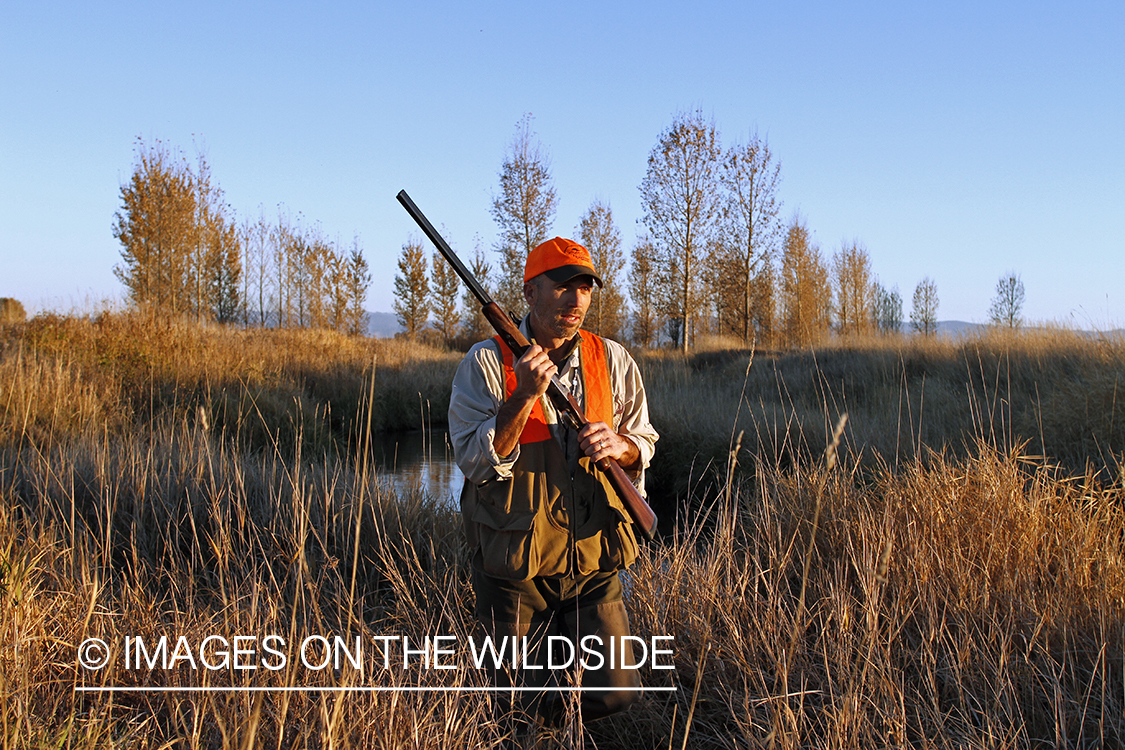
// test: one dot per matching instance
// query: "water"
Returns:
(419, 460)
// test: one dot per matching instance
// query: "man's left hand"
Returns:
(599, 441)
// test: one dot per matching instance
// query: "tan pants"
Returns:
(574, 608)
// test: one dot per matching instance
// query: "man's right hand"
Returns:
(534, 371)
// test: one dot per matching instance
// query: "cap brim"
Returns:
(563, 274)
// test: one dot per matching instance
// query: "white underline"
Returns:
(369, 689)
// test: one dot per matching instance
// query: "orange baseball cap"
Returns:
(561, 260)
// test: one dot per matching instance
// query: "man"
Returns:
(550, 534)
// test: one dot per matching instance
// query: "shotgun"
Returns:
(570, 412)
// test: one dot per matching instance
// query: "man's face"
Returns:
(557, 310)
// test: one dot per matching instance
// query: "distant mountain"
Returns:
(955, 328)
(382, 325)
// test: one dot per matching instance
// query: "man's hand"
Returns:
(533, 374)
(599, 441)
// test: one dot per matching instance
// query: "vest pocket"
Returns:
(606, 541)
(506, 542)
(625, 551)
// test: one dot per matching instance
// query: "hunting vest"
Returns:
(545, 521)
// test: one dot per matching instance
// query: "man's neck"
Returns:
(557, 349)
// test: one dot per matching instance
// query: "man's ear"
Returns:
(529, 290)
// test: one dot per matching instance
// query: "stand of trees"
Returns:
(886, 309)
(715, 257)
(183, 253)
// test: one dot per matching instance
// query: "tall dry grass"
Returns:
(959, 598)
(968, 604)
(1056, 391)
(68, 375)
(175, 533)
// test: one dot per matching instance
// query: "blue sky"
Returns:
(957, 141)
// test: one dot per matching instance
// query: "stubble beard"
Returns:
(558, 326)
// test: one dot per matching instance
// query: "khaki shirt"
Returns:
(478, 392)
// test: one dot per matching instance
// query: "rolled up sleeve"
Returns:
(631, 406)
(478, 389)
